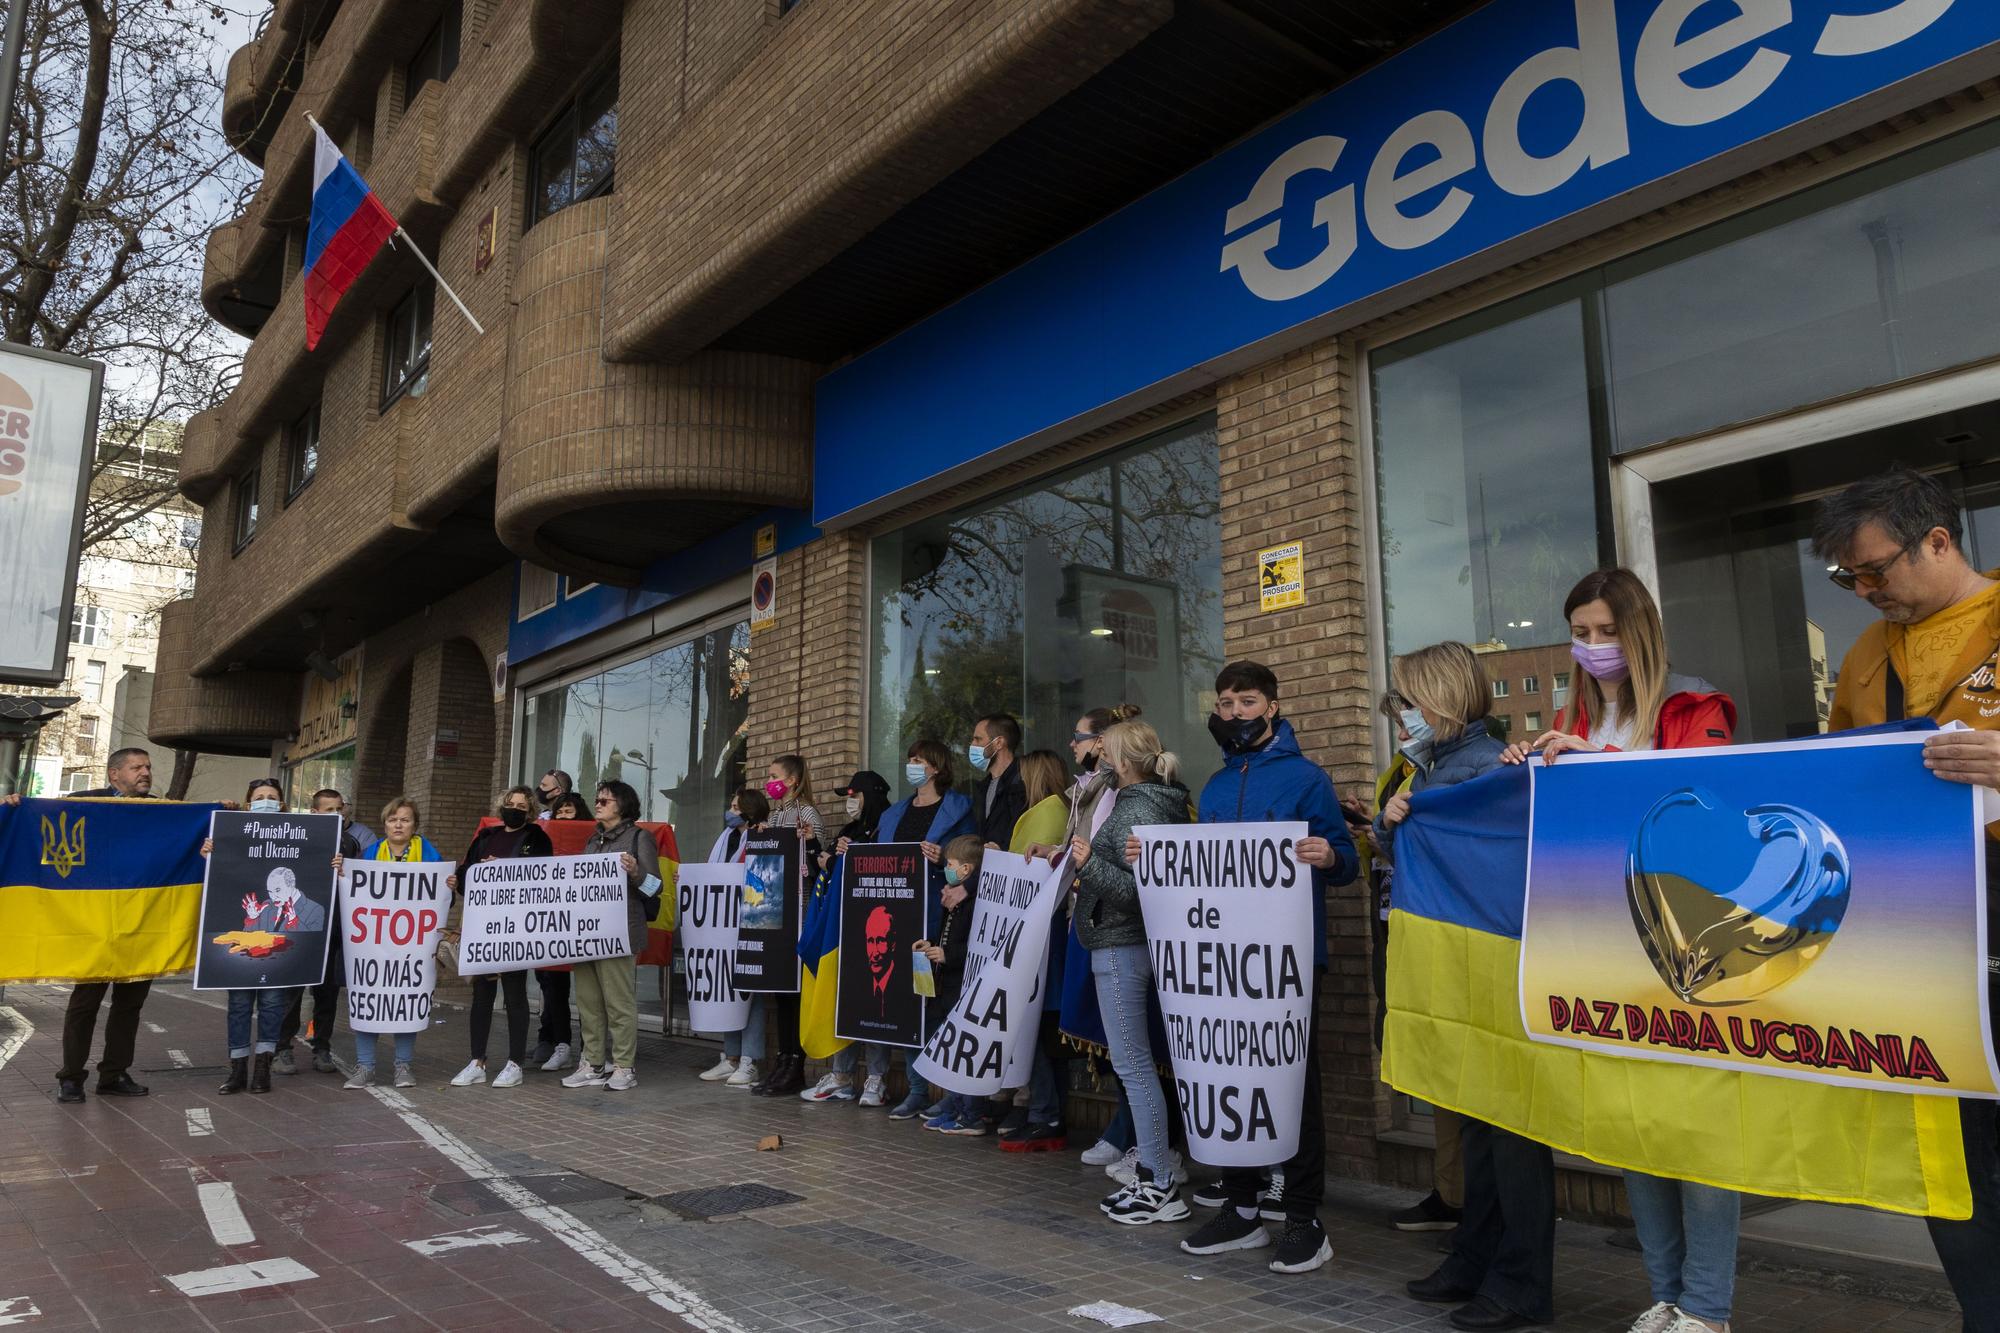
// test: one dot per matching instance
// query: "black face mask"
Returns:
(512, 818)
(1237, 735)
(548, 797)
(1090, 763)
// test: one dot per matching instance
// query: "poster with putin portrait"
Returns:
(883, 915)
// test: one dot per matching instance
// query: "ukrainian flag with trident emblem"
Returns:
(99, 889)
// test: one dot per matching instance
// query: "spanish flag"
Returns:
(819, 950)
(99, 889)
(1455, 1040)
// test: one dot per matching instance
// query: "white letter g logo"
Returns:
(1249, 254)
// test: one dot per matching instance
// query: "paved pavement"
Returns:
(540, 1207)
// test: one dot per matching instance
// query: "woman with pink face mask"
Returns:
(786, 784)
(1627, 699)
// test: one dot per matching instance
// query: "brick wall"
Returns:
(806, 671)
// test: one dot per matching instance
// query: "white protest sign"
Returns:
(391, 914)
(991, 1030)
(1229, 921)
(537, 911)
(711, 917)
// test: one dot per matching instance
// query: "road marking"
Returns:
(155, 1028)
(225, 1215)
(180, 1059)
(201, 1123)
(11, 1044)
(37, 1174)
(18, 1310)
(466, 1240)
(635, 1274)
(242, 1277)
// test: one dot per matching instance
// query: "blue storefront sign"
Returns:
(1525, 124)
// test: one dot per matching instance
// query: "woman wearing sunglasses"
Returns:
(607, 1000)
(1627, 699)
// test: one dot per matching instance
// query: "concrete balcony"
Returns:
(235, 712)
(202, 452)
(406, 163)
(238, 301)
(260, 77)
(604, 468)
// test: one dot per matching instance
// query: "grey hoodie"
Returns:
(1107, 898)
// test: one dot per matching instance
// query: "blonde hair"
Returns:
(402, 802)
(1043, 775)
(1446, 681)
(1135, 745)
(1644, 641)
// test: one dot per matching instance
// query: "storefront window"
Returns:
(1099, 586)
(333, 769)
(1488, 500)
(671, 723)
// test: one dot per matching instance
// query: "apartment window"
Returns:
(1506, 723)
(573, 159)
(191, 532)
(436, 56)
(1533, 722)
(1499, 689)
(93, 681)
(1531, 684)
(406, 368)
(86, 729)
(76, 779)
(1562, 680)
(142, 624)
(538, 590)
(89, 625)
(246, 506)
(302, 448)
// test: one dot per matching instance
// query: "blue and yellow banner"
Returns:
(99, 889)
(1455, 1038)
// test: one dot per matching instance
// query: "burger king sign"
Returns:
(48, 421)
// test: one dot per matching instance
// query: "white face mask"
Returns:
(854, 807)
(266, 806)
(914, 771)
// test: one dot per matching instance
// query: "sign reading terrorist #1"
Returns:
(1813, 910)
(267, 902)
(539, 911)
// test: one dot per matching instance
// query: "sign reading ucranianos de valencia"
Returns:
(1814, 910)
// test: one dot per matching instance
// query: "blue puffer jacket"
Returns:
(1277, 782)
(1472, 753)
(953, 817)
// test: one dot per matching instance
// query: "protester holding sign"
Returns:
(742, 1047)
(1896, 543)
(392, 924)
(1687, 1230)
(867, 799)
(1035, 1123)
(326, 992)
(789, 778)
(1111, 926)
(1266, 777)
(516, 835)
(607, 988)
(960, 1114)
(279, 919)
(1502, 1265)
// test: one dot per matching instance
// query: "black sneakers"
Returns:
(1142, 1202)
(1432, 1214)
(1227, 1230)
(1303, 1246)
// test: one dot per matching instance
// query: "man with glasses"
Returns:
(1894, 540)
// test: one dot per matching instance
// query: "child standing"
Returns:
(959, 1113)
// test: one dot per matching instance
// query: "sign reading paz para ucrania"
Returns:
(991, 1030)
(391, 914)
(710, 924)
(536, 911)
(1229, 921)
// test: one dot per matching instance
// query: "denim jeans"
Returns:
(1124, 977)
(1970, 1250)
(364, 1048)
(269, 1007)
(961, 1106)
(1688, 1232)
(1119, 1133)
(748, 1040)
(847, 1056)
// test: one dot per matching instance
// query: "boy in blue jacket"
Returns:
(1265, 776)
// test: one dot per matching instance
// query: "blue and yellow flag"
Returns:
(819, 951)
(1455, 1040)
(99, 890)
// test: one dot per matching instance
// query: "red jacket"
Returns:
(1694, 716)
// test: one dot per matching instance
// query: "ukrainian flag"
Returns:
(1455, 1040)
(819, 951)
(99, 889)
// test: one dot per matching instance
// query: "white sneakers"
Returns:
(622, 1079)
(1656, 1320)
(745, 1075)
(871, 1091)
(587, 1077)
(830, 1088)
(1101, 1153)
(508, 1077)
(364, 1075)
(720, 1070)
(474, 1072)
(404, 1077)
(560, 1059)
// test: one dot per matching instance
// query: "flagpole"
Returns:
(417, 250)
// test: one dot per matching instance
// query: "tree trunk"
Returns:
(177, 790)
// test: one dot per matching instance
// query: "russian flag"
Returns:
(349, 225)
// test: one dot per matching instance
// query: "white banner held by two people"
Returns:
(539, 911)
(710, 924)
(988, 1039)
(391, 915)
(1229, 923)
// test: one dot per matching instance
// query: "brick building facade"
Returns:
(711, 350)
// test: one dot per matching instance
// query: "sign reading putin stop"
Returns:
(391, 914)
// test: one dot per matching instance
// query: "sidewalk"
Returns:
(878, 1225)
